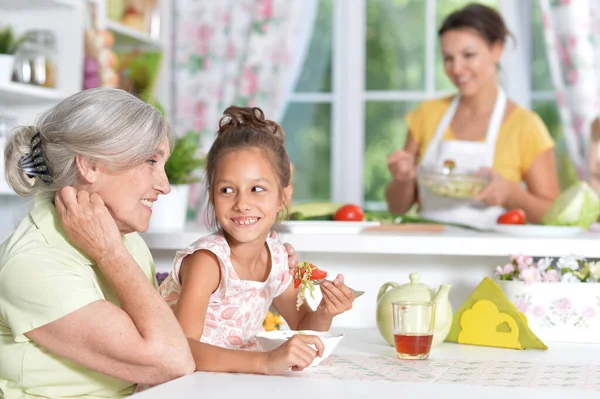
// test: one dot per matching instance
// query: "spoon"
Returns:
(354, 292)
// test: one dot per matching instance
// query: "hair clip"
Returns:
(34, 164)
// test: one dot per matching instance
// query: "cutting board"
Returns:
(406, 227)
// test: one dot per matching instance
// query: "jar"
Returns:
(35, 59)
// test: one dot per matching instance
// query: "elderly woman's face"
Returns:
(469, 61)
(129, 194)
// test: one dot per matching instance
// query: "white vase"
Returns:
(7, 62)
(558, 312)
(169, 213)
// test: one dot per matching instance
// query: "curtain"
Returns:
(235, 52)
(572, 31)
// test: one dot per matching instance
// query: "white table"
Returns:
(365, 347)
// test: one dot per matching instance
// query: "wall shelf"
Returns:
(29, 4)
(20, 93)
(126, 37)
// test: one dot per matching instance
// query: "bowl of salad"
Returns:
(451, 185)
(270, 340)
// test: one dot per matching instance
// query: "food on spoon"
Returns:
(304, 275)
(449, 166)
(514, 216)
(349, 213)
(579, 206)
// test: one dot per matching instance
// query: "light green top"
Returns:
(43, 278)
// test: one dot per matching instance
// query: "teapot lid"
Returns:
(415, 284)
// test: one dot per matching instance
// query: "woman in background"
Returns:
(480, 129)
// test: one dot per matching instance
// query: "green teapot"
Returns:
(414, 291)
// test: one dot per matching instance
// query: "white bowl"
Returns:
(270, 340)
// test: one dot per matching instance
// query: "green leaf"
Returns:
(184, 160)
(8, 41)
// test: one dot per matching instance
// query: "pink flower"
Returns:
(546, 21)
(265, 9)
(560, 98)
(565, 2)
(506, 269)
(199, 116)
(531, 275)
(249, 82)
(573, 77)
(521, 305)
(563, 304)
(538, 312)
(231, 51)
(523, 262)
(589, 312)
(551, 276)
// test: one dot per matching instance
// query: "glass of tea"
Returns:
(413, 328)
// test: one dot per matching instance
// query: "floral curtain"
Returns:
(572, 31)
(235, 52)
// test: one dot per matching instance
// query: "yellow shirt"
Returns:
(522, 137)
(43, 278)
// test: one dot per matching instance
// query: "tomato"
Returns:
(316, 274)
(514, 216)
(349, 213)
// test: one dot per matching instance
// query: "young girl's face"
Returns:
(246, 195)
(469, 61)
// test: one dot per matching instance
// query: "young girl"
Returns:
(221, 286)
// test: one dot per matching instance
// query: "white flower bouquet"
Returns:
(566, 269)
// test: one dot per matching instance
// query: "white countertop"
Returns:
(452, 241)
(452, 371)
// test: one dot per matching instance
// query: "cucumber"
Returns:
(313, 211)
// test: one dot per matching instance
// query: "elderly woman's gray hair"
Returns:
(109, 126)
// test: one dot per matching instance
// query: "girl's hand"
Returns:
(87, 222)
(295, 353)
(337, 297)
(497, 191)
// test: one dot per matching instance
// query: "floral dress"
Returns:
(237, 309)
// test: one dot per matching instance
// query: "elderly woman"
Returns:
(79, 311)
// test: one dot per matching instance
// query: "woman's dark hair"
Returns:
(486, 21)
(243, 128)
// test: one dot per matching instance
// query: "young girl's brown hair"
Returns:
(241, 128)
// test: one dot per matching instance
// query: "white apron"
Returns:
(469, 157)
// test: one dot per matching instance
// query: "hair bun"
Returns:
(252, 118)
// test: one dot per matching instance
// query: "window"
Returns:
(370, 62)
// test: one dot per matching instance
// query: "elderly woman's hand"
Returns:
(497, 191)
(87, 222)
(293, 259)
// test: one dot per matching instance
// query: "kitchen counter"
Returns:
(455, 256)
(452, 241)
(364, 366)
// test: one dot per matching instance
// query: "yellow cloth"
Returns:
(488, 318)
(522, 137)
(43, 278)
